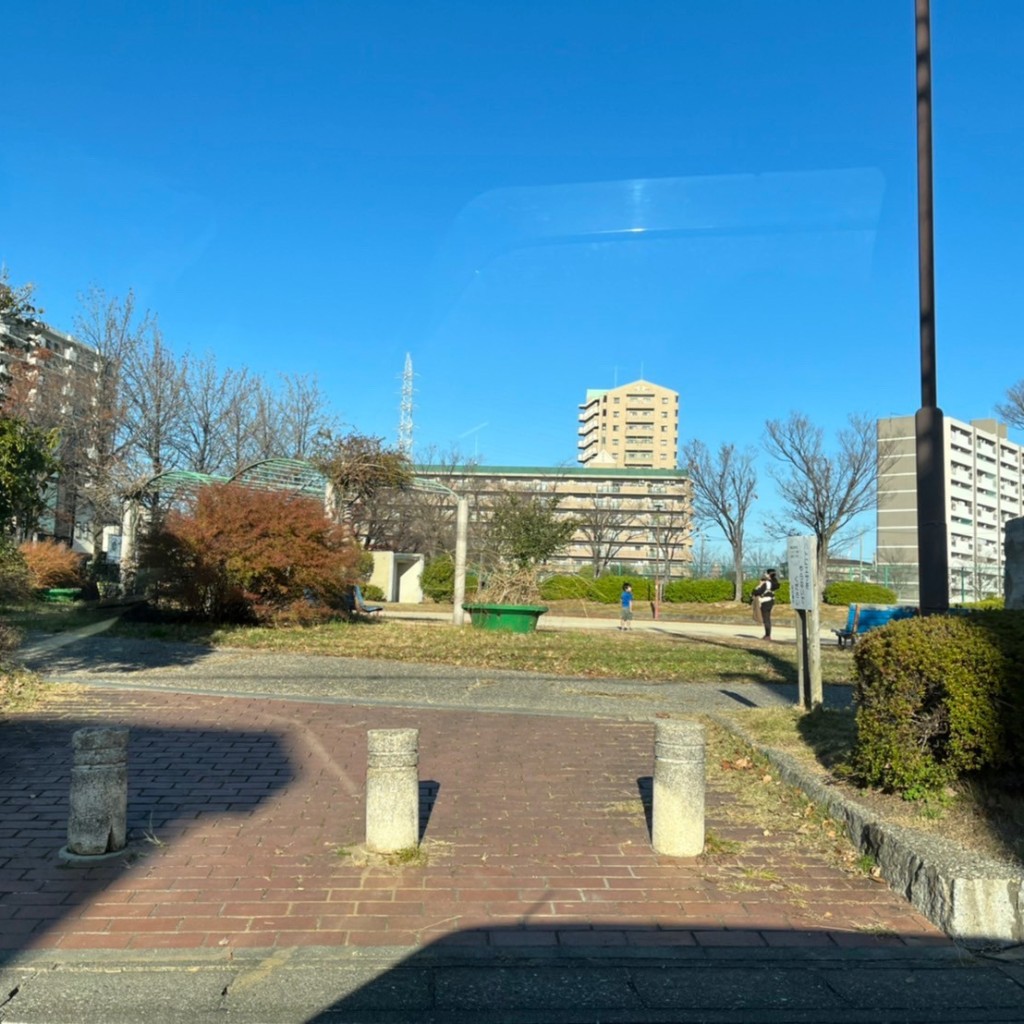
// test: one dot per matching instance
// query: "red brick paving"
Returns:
(241, 810)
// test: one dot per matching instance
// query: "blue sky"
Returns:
(531, 198)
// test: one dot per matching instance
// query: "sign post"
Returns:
(801, 554)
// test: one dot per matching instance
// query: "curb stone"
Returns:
(975, 900)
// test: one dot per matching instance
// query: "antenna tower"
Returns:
(405, 413)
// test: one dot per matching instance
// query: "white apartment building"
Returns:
(634, 426)
(984, 486)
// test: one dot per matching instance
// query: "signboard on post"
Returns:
(801, 553)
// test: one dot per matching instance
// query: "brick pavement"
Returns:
(246, 819)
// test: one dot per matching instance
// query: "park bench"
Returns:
(354, 603)
(864, 617)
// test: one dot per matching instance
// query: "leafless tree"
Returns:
(152, 386)
(606, 527)
(821, 490)
(102, 466)
(724, 487)
(1012, 410)
(302, 415)
(206, 441)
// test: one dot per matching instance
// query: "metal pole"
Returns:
(933, 553)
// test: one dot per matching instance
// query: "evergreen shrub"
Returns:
(853, 592)
(699, 591)
(608, 589)
(939, 697)
(567, 588)
(438, 580)
(371, 592)
(15, 582)
(781, 595)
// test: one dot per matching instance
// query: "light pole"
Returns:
(932, 552)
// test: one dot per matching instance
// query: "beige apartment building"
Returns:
(634, 426)
(52, 377)
(984, 486)
(631, 521)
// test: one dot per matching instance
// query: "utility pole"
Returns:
(932, 545)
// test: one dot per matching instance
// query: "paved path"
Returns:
(244, 889)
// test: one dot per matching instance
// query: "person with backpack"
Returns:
(764, 594)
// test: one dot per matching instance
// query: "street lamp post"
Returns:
(932, 552)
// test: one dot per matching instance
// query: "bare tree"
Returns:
(821, 490)
(606, 527)
(363, 473)
(1013, 409)
(303, 415)
(152, 385)
(206, 439)
(724, 486)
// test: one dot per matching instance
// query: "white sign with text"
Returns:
(801, 553)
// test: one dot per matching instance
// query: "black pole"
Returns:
(932, 548)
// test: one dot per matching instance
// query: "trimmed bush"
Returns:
(371, 592)
(699, 591)
(608, 589)
(937, 698)
(781, 595)
(567, 588)
(52, 564)
(852, 592)
(438, 581)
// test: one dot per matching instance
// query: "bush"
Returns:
(608, 589)
(52, 564)
(939, 697)
(700, 591)
(438, 581)
(371, 592)
(15, 582)
(567, 588)
(781, 595)
(241, 554)
(852, 592)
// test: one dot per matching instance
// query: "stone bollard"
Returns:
(97, 822)
(392, 790)
(677, 818)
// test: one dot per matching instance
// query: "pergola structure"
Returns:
(294, 476)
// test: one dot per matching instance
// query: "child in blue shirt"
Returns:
(626, 616)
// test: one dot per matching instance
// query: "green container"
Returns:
(62, 595)
(507, 618)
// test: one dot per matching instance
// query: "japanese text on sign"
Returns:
(801, 555)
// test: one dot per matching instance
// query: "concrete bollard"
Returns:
(677, 818)
(392, 789)
(97, 822)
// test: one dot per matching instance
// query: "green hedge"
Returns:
(700, 591)
(848, 592)
(438, 581)
(781, 595)
(567, 588)
(939, 697)
(608, 589)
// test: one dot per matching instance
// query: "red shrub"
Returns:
(241, 554)
(52, 564)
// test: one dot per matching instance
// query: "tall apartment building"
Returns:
(634, 426)
(52, 378)
(630, 520)
(984, 485)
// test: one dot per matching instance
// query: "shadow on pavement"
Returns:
(176, 778)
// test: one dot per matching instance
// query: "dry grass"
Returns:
(980, 816)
